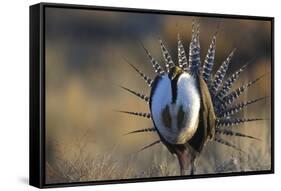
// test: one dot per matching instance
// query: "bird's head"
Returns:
(175, 105)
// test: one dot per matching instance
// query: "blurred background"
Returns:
(85, 51)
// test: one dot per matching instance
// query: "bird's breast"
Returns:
(175, 107)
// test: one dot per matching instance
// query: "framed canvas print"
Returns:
(127, 95)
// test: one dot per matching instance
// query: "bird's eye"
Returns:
(181, 115)
(166, 117)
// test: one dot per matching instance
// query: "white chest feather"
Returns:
(176, 121)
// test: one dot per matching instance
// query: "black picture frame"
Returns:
(37, 94)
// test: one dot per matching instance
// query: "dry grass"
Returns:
(83, 167)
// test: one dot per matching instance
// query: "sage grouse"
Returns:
(189, 104)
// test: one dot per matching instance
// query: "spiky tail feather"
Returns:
(194, 51)
(221, 73)
(226, 143)
(150, 145)
(238, 107)
(209, 62)
(140, 95)
(182, 59)
(142, 131)
(140, 114)
(233, 133)
(148, 80)
(236, 93)
(157, 68)
(230, 81)
(232, 122)
(167, 57)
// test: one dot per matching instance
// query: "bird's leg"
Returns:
(184, 158)
(192, 169)
(183, 163)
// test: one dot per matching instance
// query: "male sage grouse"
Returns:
(189, 104)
